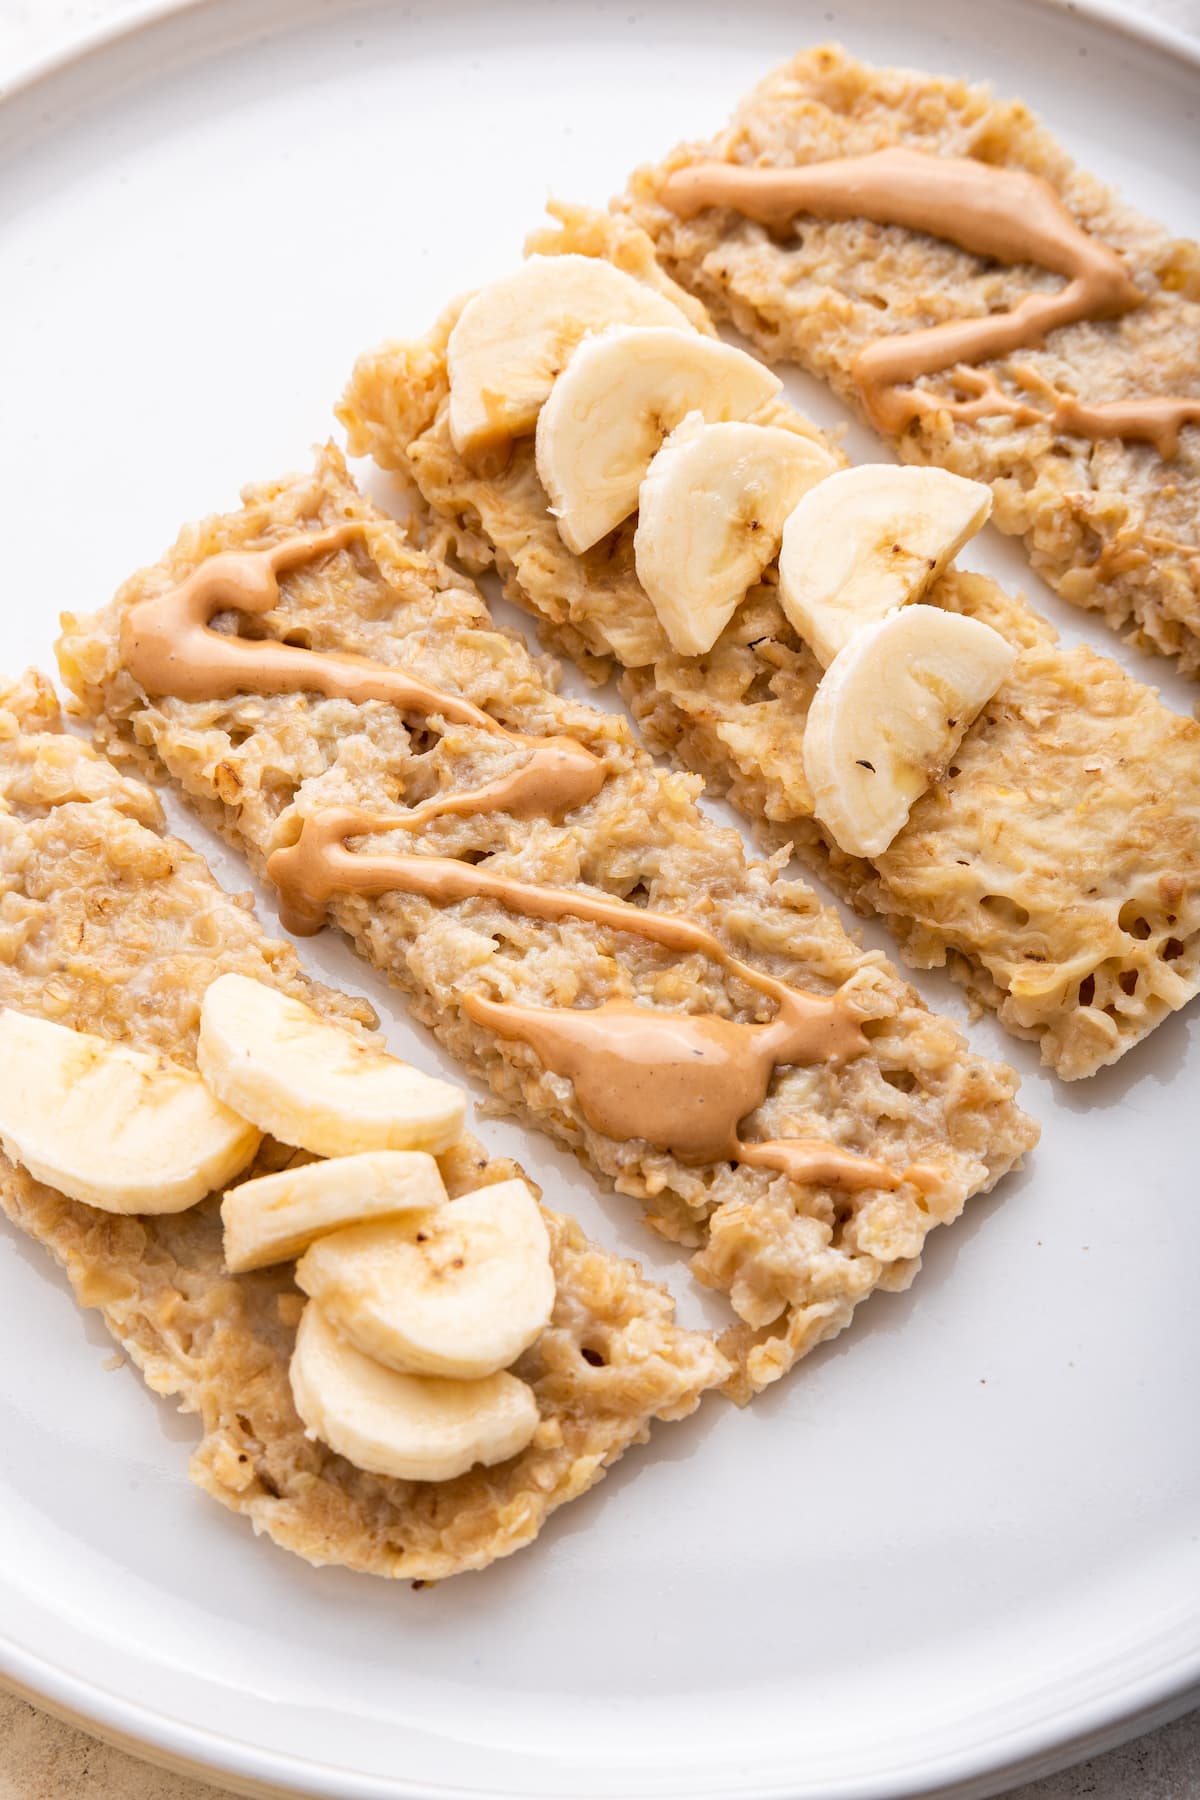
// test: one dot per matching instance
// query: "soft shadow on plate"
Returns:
(890, 1315)
(178, 1427)
(1157, 1059)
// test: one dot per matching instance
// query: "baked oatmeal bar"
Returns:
(1086, 422)
(277, 772)
(110, 926)
(1055, 866)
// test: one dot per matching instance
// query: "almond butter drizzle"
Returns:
(169, 646)
(680, 1081)
(319, 865)
(1003, 213)
(683, 1081)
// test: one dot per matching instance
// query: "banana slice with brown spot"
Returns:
(889, 714)
(275, 1218)
(412, 1427)
(710, 513)
(515, 335)
(868, 540)
(622, 392)
(460, 1291)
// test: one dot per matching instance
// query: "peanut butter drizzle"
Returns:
(1007, 214)
(319, 865)
(680, 1081)
(818, 1164)
(169, 646)
(1157, 421)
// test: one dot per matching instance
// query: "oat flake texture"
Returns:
(794, 1261)
(1109, 524)
(1055, 866)
(111, 926)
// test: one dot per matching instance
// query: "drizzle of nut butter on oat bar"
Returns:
(1004, 213)
(680, 1081)
(168, 644)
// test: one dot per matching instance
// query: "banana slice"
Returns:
(890, 713)
(619, 396)
(710, 513)
(868, 540)
(310, 1083)
(111, 1126)
(461, 1290)
(415, 1427)
(276, 1217)
(516, 334)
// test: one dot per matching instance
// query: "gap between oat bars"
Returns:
(1089, 435)
(1055, 866)
(110, 926)
(795, 1258)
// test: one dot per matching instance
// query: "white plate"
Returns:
(961, 1542)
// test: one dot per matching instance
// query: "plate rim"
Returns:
(261, 1774)
(1109, 15)
(1100, 1724)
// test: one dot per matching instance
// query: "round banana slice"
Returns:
(414, 1427)
(515, 335)
(710, 513)
(276, 1217)
(868, 540)
(111, 1126)
(458, 1291)
(619, 396)
(313, 1084)
(889, 714)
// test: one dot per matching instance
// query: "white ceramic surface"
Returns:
(958, 1542)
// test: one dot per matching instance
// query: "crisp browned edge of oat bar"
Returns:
(918, 1095)
(1085, 929)
(1108, 524)
(109, 924)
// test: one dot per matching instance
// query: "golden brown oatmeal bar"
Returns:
(795, 1260)
(1056, 866)
(110, 926)
(1109, 523)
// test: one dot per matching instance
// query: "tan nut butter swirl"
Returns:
(680, 1081)
(169, 646)
(1007, 214)
(683, 1081)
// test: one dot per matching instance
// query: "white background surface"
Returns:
(886, 1350)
